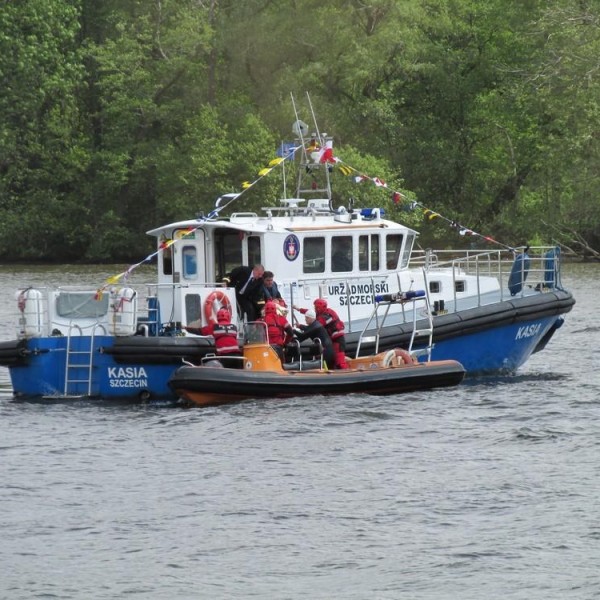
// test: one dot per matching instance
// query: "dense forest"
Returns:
(120, 115)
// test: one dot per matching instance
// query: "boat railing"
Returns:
(384, 304)
(216, 360)
(301, 362)
(363, 286)
(75, 310)
(518, 271)
(52, 311)
(150, 314)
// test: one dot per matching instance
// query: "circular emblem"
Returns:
(291, 247)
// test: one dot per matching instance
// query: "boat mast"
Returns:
(314, 177)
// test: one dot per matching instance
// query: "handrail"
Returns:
(387, 301)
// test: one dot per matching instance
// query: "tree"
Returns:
(119, 115)
(42, 151)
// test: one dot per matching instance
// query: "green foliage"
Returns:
(43, 154)
(119, 115)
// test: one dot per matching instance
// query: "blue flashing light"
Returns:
(369, 213)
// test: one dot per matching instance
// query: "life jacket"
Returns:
(276, 326)
(332, 323)
(225, 335)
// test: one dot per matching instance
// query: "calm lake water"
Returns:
(486, 491)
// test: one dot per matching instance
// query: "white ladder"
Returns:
(425, 331)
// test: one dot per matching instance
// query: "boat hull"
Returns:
(493, 338)
(135, 368)
(205, 386)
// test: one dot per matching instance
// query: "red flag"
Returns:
(327, 156)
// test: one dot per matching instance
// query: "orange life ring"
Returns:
(407, 357)
(210, 310)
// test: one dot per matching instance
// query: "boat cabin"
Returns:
(312, 250)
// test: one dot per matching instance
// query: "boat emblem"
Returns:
(291, 247)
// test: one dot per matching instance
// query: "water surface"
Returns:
(487, 490)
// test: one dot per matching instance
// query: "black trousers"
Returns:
(248, 308)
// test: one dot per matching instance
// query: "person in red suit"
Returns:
(226, 337)
(279, 331)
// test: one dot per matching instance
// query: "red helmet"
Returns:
(223, 315)
(320, 305)
(270, 308)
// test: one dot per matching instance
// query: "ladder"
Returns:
(400, 299)
(79, 362)
(424, 331)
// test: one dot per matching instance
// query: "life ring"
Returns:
(390, 356)
(210, 312)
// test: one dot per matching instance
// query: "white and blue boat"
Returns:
(490, 309)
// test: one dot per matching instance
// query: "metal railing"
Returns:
(542, 271)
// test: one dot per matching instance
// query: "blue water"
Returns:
(487, 490)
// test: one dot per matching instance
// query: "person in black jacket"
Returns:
(315, 331)
(268, 291)
(334, 327)
(246, 281)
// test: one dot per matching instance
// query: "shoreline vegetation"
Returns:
(118, 117)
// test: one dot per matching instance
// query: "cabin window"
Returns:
(228, 252)
(459, 286)
(374, 253)
(167, 259)
(313, 252)
(190, 262)
(193, 310)
(435, 287)
(407, 250)
(363, 252)
(368, 248)
(341, 253)
(393, 244)
(254, 255)
(81, 305)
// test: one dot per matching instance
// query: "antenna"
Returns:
(299, 128)
(284, 177)
(312, 112)
(224, 201)
(294, 106)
